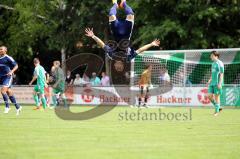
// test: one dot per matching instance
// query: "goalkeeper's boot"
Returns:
(145, 105)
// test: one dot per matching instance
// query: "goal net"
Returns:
(184, 68)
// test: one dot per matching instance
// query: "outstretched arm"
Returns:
(146, 47)
(89, 33)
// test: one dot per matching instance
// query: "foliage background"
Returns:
(54, 29)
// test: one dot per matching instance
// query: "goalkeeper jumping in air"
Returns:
(121, 29)
(215, 83)
(131, 53)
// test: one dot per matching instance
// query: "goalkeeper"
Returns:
(59, 84)
(144, 83)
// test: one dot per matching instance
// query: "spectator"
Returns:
(105, 81)
(85, 78)
(69, 78)
(78, 80)
(187, 82)
(95, 81)
(164, 76)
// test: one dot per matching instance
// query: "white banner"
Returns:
(178, 96)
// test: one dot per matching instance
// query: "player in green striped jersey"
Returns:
(216, 82)
(59, 85)
(39, 75)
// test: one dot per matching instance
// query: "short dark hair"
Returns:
(215, 53)
(36, 60)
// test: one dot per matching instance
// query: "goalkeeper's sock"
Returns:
(13, 100)
(127, 8)
(44, 103)
(5, 98)
(145, 99)
(113, 10)
(139, 101)
(36, 99)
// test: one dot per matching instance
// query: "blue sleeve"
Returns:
(132, 54)
(108, 50)
(12, 63)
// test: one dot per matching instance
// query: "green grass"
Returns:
(42, 135)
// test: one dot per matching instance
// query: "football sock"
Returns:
(145, 99)
(54, 98)
(139, 100)
(5, 98)
(13, 100)
(35, 97)
(127, 8)
(113, 10)
(44, 102)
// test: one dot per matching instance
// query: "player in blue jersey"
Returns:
(7, 67)
(121, 29)
(110, 52)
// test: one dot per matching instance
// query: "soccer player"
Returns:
(144, 83)
(131, 53)
(215, 83)
(121, 29)
(40, 76)
(59, 85)
(7, 66)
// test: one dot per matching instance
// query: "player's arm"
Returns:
(89, 33)
(13, 70)
(220, 81)
(148, 46)
(221, 77)
(13, 66)
(33, 80)
(209, 81)
(47, 77)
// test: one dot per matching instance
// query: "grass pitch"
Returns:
(42, 135)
